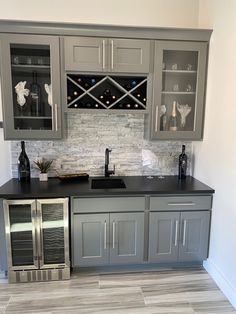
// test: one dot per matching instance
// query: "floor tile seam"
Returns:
(8, 303)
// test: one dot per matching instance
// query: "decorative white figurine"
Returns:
(21, 92)
(48, 89)
(184, 110)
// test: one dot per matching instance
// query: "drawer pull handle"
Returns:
(105, 235)
(113, 234)
(184, 232)
(181, 204)
(176, 232)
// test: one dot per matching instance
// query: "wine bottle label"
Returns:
(173, 128)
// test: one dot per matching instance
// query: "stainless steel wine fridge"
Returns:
(37, 239)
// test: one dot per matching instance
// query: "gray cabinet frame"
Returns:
(94, 54)
(197, 133)
(6, 83)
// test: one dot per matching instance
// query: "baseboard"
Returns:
(221, 281)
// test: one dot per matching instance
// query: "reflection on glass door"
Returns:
(22, 234)
(53, 227)
(31, 86)
(178, 95)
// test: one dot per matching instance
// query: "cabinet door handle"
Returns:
(56, 121)
(184, 232)
(112, 54)
(103, 54)
(181, 204)
(113, 234)
(105, 235)
(176, 232)
(156, 118)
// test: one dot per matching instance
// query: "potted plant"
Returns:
(43, 165)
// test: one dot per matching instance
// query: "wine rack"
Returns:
(106, 92)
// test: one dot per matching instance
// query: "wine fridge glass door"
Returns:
(20, 221)
(53, 232)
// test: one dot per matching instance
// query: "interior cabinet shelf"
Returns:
(30, 66)
(178, 93)
(179, 71)
(32, 118)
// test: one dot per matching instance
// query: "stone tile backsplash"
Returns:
(83, 148)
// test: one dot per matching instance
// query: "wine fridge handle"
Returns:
(112, 54)
(156, 118)
(113, 234)
(184, 232)
(176, 232)
(103, 54)
(105, 235)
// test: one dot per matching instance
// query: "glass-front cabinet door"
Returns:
(53, 232)
(30, 83)
(20, 222)
(179, 90)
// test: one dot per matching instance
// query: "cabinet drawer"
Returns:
(180, 203)
(109, 204)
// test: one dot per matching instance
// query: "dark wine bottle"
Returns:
(182, 164)
(173, 119)
(35, 96)
(23, 165)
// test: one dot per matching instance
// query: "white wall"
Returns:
(215, 157)
(181, 13)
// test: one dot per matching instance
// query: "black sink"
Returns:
(108, 183)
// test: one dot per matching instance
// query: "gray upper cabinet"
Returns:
(178, 90)
(94, 54)
(179, 236)
(30, 81)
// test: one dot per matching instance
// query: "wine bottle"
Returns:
(23, 165)
(173, 118)
(182, 164)
(35, 96)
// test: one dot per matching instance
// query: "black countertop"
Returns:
(141, 185)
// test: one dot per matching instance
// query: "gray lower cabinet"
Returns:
(101, 239)
(106, 55)
(178, 236)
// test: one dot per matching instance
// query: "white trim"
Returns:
(222, 282)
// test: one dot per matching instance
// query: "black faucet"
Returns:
(107, 171)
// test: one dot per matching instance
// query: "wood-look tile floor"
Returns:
(185, 291)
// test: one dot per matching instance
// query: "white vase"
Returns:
(43, 177)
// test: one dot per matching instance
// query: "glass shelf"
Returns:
(178, 93)
(106, 92)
